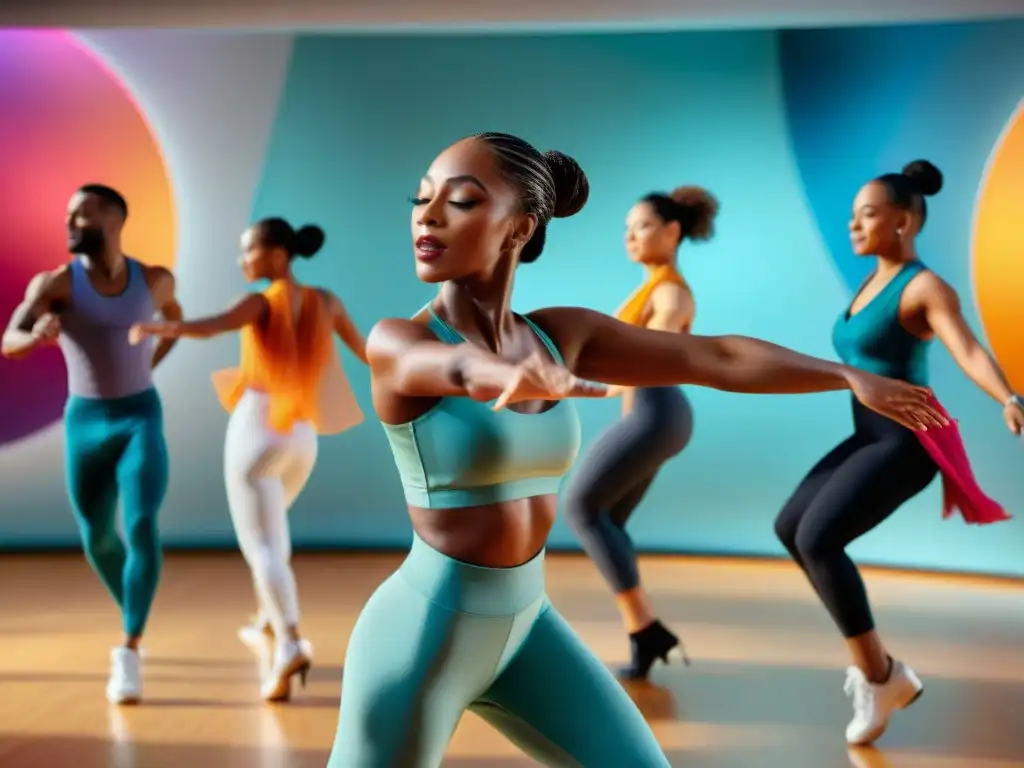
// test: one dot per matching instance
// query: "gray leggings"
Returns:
(615, 473)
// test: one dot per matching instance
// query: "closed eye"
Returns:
(464, 205)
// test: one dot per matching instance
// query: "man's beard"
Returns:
(88, 242)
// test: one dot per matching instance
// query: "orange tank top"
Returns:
(295, 363)
(633, 309)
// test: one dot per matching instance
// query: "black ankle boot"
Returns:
(651, 643)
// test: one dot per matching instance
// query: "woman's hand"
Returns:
(904, 403)
(1013, 414)
(537, 378)
(141, 331)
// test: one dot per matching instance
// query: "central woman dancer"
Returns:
(289, 387)
(656, 424)
(468, 393)
(887, 329)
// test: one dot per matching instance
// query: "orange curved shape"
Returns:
(998, 250)
(137, 168)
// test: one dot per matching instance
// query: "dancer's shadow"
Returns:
(868, 757)
(168, 661)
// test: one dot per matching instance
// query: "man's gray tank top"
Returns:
(94, 336)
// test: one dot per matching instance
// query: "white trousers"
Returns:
(264, 472)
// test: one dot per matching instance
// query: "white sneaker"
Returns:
(125, 684)
(874, 703)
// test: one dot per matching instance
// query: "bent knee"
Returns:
(817, 544)
(785, 531)
(142, 532)
(99, 540)
(581, 502)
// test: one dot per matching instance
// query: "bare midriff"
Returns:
(493, 535)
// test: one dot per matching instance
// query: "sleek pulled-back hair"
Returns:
(693, 208)
(908, 189)
(304, 242)
(551, 185)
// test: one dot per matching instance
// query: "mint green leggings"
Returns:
(440, 637)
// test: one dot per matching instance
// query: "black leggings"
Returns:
(855, 487)
(616, 472)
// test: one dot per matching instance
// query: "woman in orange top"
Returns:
(289, 388)
(656, 424)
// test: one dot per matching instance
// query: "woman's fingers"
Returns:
(583, 388)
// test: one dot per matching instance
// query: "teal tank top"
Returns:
(873, 340)
(461, 453)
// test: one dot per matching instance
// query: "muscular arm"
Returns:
(943, 314)
(163, 288)
(345, 328)
(40, 298)
(407, 360)
(600, 348)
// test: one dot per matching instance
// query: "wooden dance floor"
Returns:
(765, 689)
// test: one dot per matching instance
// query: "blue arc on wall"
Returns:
(862, 102)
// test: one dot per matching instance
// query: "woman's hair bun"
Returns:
(308, 240)
(699, 209)
(926, 177)
(571, 186)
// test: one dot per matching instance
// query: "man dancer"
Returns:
(113, 419)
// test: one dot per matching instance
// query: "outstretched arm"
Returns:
(407, 360)
(246, 311)
(345, 328)
(163, 288)
(601, 348)
(22, 335)
(945, 317)
(671, 310)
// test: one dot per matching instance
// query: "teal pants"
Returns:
(115, 449)
(440, 637)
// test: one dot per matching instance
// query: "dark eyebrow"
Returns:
(456, 180)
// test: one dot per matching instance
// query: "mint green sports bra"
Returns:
(461, 453)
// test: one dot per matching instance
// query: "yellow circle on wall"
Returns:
(998, 250)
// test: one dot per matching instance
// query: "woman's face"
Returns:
(465, 217)
(259, 261)
(648, 239)
(876, 225)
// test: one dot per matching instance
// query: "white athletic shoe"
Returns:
(874, 703)
(125, 684)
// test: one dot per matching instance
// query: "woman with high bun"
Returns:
(887, 330)
(288, 388)
(657, 422)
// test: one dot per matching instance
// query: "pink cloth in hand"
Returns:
(960, 489)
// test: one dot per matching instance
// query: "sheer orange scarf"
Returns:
(633, 309)
(296, 364)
